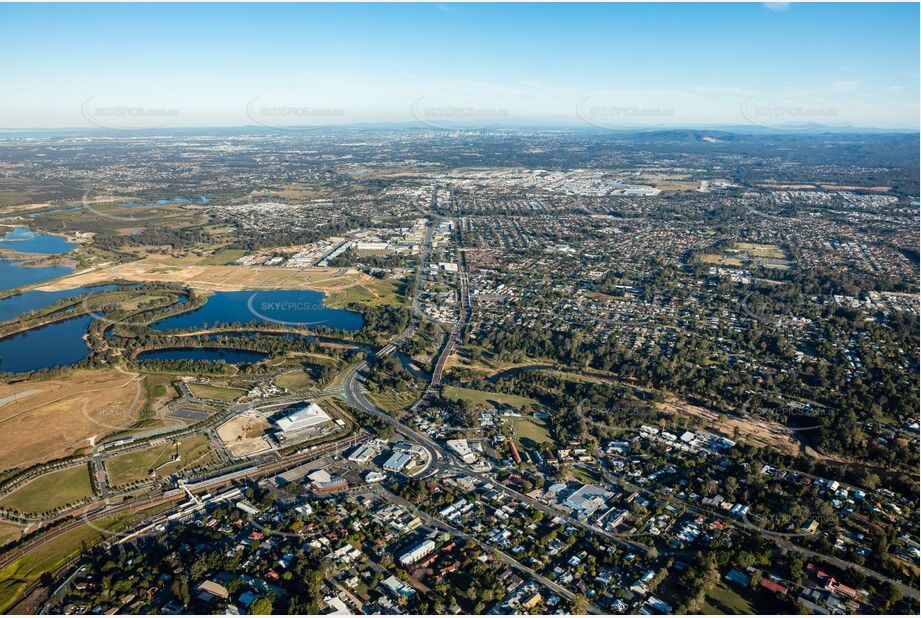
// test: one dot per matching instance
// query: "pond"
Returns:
(228, 355)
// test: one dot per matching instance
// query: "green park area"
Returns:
(485, 398)
(192, 451)
(211, 391)
(51, 491)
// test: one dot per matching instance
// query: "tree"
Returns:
(261, 607)
(579, 605)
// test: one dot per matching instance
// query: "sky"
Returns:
(135, 66)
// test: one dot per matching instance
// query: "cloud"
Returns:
(777, 6)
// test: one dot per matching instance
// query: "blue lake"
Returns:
(54, 345)
(13, 274)
(295, 308)
(14, 306)
(24, 240)
(209, 354)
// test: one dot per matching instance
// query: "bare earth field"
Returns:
(216, 278)
(53, 418)
(754, 432)
(245, 435)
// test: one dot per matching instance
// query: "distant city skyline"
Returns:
(773, 65)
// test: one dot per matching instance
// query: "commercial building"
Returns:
(462, 449)
(418, 552)
(307, 419)
(587, 499)
(397, 462)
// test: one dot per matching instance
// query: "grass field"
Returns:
(222, 258)
(764, 251)
(714, 258)
(193, 451)
(486, 398)
(371, 293)
(293, 380)
(531, 432)
(721, 599)
(20, 574)
(394, 402)
(51, 491)
(582, 474)
(9, 532)
(221, 393)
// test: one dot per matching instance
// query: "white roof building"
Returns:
(308, 417)
(462, 448)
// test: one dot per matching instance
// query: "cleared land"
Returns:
(51, 491)
(43, 420)
(755, 432)
(245, 435)
(9, 532)
(486, 398)
(216, 278)
(193, 451)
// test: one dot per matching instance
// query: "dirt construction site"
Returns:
(244, 435)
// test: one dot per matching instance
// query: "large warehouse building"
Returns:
(307, 419)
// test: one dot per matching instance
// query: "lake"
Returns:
(24, 240)
(14, 275)
(228, 355)
(14, 306)
(48, 346)
(295, 308)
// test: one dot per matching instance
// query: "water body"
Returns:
(54, 345)
(175, 200)
(24, 240)
(228, 355)
(14, 274)
(286, 307)
(14, 306)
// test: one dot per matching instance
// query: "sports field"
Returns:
(51, 491)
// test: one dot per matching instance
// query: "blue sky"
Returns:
(133, 66)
